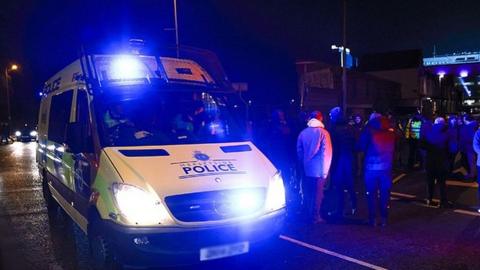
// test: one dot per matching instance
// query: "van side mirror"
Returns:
(77, 139)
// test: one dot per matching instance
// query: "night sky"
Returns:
(257, 41)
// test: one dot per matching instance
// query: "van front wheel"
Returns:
(102, 252)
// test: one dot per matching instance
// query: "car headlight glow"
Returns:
(275, 194)
(18, 133)
(33, 133)
(246, 201)
(140, 207)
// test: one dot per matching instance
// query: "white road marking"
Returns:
(462, 184)
(472, 213)
(458, 211)
(396, 179)
(408, 196)
(332, 253)
(425, 205)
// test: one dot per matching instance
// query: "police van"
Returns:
(151, 157)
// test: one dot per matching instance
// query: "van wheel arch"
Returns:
(51, 203)
(101, 248)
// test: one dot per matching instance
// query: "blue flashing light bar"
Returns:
(125, 68)
(138, 69)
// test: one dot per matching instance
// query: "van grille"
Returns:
(216, 205)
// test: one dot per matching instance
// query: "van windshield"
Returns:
(162, 118)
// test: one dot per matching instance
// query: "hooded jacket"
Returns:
(438, 142)
(314, 149)
(377, 141)
(343, 143)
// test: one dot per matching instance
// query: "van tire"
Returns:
(50, 202)
(102, 252)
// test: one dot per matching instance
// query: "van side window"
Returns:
(83, 118)
(82, 109)
(59, 116)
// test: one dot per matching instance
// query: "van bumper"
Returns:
(173, 246)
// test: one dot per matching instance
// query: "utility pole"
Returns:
(13, 67)
(7, 89)
(177, 43)
(344, 60)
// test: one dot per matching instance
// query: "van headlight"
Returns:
(18, 133)
(140, 207)
(33, 133)
(275, 194)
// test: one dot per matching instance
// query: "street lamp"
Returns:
(13, 67)
(343, 57)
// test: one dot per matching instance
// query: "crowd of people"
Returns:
(338, 152)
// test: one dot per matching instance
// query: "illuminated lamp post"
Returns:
(343, 53)
(13, 67)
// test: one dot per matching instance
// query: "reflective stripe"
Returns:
(413, 129)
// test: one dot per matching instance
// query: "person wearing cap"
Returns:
(342, 177)
(314, 152)
(378, 143)
(438, 142)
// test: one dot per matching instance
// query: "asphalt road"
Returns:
(418, 237)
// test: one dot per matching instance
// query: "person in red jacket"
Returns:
(378, 143)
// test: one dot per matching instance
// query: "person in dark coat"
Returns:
(280, 148)
(437, 145)
(342, 175)
(378, 143)
(453, 134)
(465, 143)
(358, 125)
(476, 147)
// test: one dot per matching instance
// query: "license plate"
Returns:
(217, 252)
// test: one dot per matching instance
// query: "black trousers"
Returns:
(413, 153)
(440, 176)
(312, 189)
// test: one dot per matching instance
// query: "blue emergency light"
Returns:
(127, 68)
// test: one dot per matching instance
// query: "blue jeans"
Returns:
(378, 182)
(312, 188)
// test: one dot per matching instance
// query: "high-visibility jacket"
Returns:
(413, 129)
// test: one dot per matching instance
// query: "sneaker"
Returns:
(429, 202)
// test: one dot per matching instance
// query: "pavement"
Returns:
(417, 237)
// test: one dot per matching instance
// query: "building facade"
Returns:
(457, 77)
(320, 88)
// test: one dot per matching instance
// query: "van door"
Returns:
(59, 117)
(82, 172)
